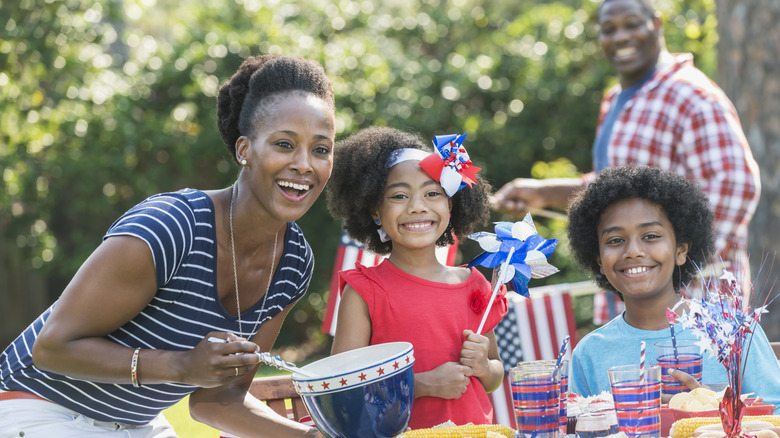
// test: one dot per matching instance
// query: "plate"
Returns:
(669, 415)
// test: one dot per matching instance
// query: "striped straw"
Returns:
(642, 362)
(562, 352)
(674, 342)
(671, 316)
(560, 357)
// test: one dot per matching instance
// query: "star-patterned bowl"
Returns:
(362, 393)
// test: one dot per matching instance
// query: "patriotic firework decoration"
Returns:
(722, 322)
(525, 250)
(450, 164)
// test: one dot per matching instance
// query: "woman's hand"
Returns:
(449, 380)
(315, 433)
(218, 359)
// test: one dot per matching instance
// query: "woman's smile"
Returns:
(294, 191)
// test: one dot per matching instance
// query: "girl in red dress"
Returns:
(394, 206)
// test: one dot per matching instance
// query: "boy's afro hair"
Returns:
(683, 201)
(356, 187)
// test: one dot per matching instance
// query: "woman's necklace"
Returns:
(235, 270)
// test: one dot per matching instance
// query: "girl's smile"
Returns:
(414, 211)
(418, 226)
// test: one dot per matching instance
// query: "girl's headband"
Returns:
(406, 154)
(449, 165)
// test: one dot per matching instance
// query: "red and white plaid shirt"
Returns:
(682, 121)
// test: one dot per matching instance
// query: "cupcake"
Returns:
(592, 425)
(573, 410)
(611, 419)
(599, 402)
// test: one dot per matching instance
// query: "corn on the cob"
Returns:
(684, 428)
(465, 431)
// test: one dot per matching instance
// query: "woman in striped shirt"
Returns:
(129, 335)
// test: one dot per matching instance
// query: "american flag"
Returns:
(606, 306)
(533, 329)
(350, 252)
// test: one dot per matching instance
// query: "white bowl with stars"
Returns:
(366, 392)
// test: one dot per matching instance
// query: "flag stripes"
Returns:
(543, 321)
(606, 306)
(349, 252)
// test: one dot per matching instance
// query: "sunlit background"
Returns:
(103, 103)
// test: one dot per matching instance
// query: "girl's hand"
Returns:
(449, 380)
(214, 363)
(474, 353)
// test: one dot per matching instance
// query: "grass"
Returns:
(179, 417)
(179, 414)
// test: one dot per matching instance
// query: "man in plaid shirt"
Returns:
(664, 113)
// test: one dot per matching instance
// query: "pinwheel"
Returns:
(450, 164)
(528, 258)
(520, 252)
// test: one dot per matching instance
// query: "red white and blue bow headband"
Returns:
(450, 164)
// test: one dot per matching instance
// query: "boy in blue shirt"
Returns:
(643, 233)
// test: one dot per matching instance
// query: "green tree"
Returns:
(103, 103)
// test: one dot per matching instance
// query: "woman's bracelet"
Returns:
(134, 368)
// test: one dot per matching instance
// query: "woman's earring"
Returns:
(243, 161)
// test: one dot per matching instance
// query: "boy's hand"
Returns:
(474, 353)
(685, 378)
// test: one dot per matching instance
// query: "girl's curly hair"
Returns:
(356, 187)
(260, 81)
(683, 201)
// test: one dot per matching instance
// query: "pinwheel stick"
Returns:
(499, 282)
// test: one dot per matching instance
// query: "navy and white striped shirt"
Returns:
(179, 229)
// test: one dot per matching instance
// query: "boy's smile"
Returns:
(638, 250)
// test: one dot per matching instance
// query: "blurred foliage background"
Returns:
(105, 102)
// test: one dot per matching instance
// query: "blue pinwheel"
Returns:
(520, 248)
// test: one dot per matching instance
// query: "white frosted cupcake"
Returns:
(592, 425)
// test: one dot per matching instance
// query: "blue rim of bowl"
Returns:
(361, 377)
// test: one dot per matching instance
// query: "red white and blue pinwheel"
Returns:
(521, 248)
(450, 164)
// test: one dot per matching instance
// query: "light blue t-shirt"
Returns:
(617, 343)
